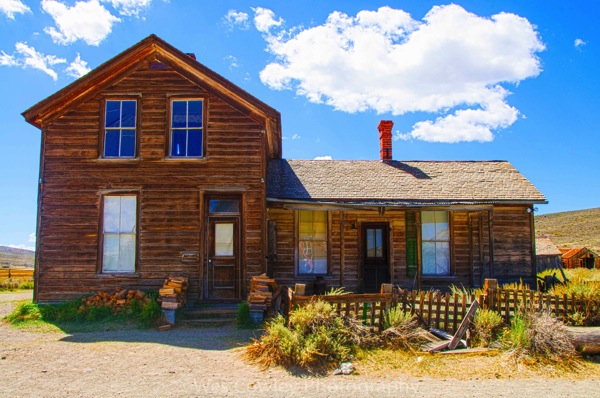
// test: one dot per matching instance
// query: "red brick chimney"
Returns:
(385, 140)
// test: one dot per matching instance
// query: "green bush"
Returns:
(486, 326)
(25, 312)
(242, 316)
(149, 313)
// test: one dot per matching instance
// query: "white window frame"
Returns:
(301, 251)
(126, 259)
(438, 239)
(120, 129)
(186, 129)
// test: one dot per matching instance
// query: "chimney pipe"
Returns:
(385, 140)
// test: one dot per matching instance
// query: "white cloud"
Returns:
(579, 43)
(264, 19)
(86, 20)
(31, 237)
(77, 68)
(12, 7)
(27, 57)
(453, 64)
(327, 157)
(232, 61)
(234, 18)
(295, 136)
(129, 7)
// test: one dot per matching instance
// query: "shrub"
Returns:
(486, 326)
(25, 312)
(315, 339)
(539, 336)
(242, 316)
(401, 329)
(149, 313)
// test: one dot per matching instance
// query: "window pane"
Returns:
(110, 253)
(126, 253)
(128, 113)
(194, 143)
(127, 143)
(379, 243)
(178, 143)
(113, 114)
(112, 210)
(428, 225)
(111, 143)
(128, 214)
(441, 225)
(428, 256)
(224, 239)
(224, 206)
(306, 225)
(179, 116)
(306, 265)
(442, 258)
(194, 113)
(370, 243)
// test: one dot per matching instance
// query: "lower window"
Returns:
(435, 243)
(312, 242)
(119, 233)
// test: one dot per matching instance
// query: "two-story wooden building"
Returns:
(152, 165)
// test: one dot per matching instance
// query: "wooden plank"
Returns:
(464, 325)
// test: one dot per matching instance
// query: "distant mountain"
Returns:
(10, 256)
(571, 228)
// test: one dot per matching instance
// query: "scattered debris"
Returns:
(345, 369)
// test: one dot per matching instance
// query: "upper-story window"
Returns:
(119, 128)
(186, 128)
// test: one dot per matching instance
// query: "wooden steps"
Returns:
(210, 315)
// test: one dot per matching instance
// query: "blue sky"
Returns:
(468, 80)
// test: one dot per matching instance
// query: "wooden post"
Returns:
(386, 288)
(300, 289)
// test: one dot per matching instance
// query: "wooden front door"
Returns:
(376, 268)
(223, 262)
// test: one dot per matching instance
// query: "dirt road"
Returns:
(206, 363)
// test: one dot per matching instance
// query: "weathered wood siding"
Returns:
(74, 177)
(513, 243)
(470, 248)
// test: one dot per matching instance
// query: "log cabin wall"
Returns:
(74, 177)
(470, 249)
(513, 244)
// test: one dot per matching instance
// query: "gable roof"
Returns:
(153, 48)
(573, 252)
(399, 183)
(545, 247)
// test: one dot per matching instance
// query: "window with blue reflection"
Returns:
(120, 124)
(186, 128)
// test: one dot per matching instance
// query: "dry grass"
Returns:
(489, 365)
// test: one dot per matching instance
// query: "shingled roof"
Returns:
(399, 183)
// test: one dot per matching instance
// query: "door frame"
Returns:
(205, 220)
(386, 241)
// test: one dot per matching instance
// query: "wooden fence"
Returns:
(16, 273)
(444, 311)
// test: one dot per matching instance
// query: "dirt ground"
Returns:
(205, 363)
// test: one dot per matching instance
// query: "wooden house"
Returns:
(548, 256)
(580, 257)
(153, 165)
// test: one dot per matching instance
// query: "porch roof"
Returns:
(401, 183)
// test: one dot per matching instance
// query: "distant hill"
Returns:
(571, 228)
(16, 257)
